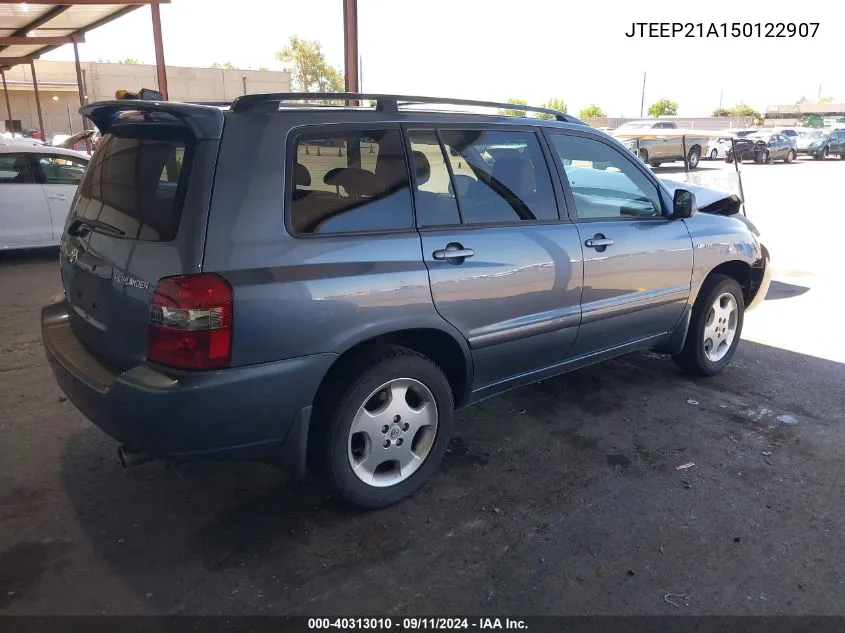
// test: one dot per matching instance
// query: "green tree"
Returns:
(663, 107)
(263, 68)
(227, 65)
(552, 104)
(743, 110)
(515, 101)
(826, 100)
(130, 61)
(810, 120)
(311, 71)
(721, 112)
(592, 111)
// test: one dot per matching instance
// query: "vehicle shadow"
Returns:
(233, 538)
(783, 290)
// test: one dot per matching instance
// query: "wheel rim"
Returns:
(693, 159)
(393, 432)
(713, 155)
(720, 327)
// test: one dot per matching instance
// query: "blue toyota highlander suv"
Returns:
(323, 286)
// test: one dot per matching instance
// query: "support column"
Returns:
(8, 104)
(161, 71)
(350, 47)
(37, 100)
(80, 86)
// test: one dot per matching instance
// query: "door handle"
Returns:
(598, 242)
(58, 196)
(454, 253)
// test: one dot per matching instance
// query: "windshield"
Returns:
(635, 126)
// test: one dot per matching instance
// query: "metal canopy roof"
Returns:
(28, 30)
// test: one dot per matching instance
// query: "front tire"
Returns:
(384, 424)
(763, 157)
(826, 152)
(789, 157)
(714, 154)
(715, 327)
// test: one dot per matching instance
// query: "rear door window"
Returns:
(499, 176)
(15, 169)
(349, 182)
(136, 182)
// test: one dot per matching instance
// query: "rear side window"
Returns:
(349, 182)
(15, 169)
(58, 169)
(499, 176)
(136, 182)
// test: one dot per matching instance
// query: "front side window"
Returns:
(435, 196)
(15, 170)
(61, 170)
(349, 182)
(604, 183)
(499, 176)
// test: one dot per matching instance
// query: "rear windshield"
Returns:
(136, 182)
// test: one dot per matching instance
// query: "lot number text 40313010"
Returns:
(722, 29)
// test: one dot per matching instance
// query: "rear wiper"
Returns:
(96, 225)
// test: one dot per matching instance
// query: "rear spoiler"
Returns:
(206, 122)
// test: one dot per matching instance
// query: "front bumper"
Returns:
(765, 281)
(256, 412)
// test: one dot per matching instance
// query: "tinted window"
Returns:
(137, 185)
(350, 182)
(604, 183)
(499, 176)
(15, 170)
(57, 169)
(435, 197)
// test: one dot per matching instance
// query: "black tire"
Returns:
(643, 155)
(714, 154)
(789, 157)
(842, 156)
(826, 152)
(729, 158)
(339, 402)
(763, 157)
(692, 358)
(817, 157)
(693, 157)
(655, 163)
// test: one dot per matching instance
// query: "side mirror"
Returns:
(683, 204)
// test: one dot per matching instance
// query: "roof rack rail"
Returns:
(386, 102)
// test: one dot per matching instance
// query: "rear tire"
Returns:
(696, 357)
(763, 157)
(655, 163)
(643, 155)
(367, 394)
(826, 152)
(693, 157)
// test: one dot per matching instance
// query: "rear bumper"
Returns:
(257, 412)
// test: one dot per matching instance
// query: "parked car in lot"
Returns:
(833, 143)
(37, 184)
(717, 147)
(332, 311)
(803, 142)
(762, 148)
(656, 151)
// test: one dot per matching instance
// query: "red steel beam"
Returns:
(350, 47)
(37, 101)
(161, 70)
(10, 128)
(42, 41)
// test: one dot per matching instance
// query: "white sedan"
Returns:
(717, 148)
(37, 185)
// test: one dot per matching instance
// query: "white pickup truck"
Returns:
(655, 150)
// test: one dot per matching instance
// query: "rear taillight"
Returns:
(191, 322)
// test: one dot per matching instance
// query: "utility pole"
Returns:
(721, 92)
(820, 94)
(642, 98)
(350, 47)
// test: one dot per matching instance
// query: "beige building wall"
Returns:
(60, 99)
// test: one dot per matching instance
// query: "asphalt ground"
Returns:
(564, 497)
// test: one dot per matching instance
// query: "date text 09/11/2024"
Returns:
(723, 29)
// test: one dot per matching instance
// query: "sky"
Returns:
(493, 50)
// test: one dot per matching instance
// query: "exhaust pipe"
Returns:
(129, 459)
